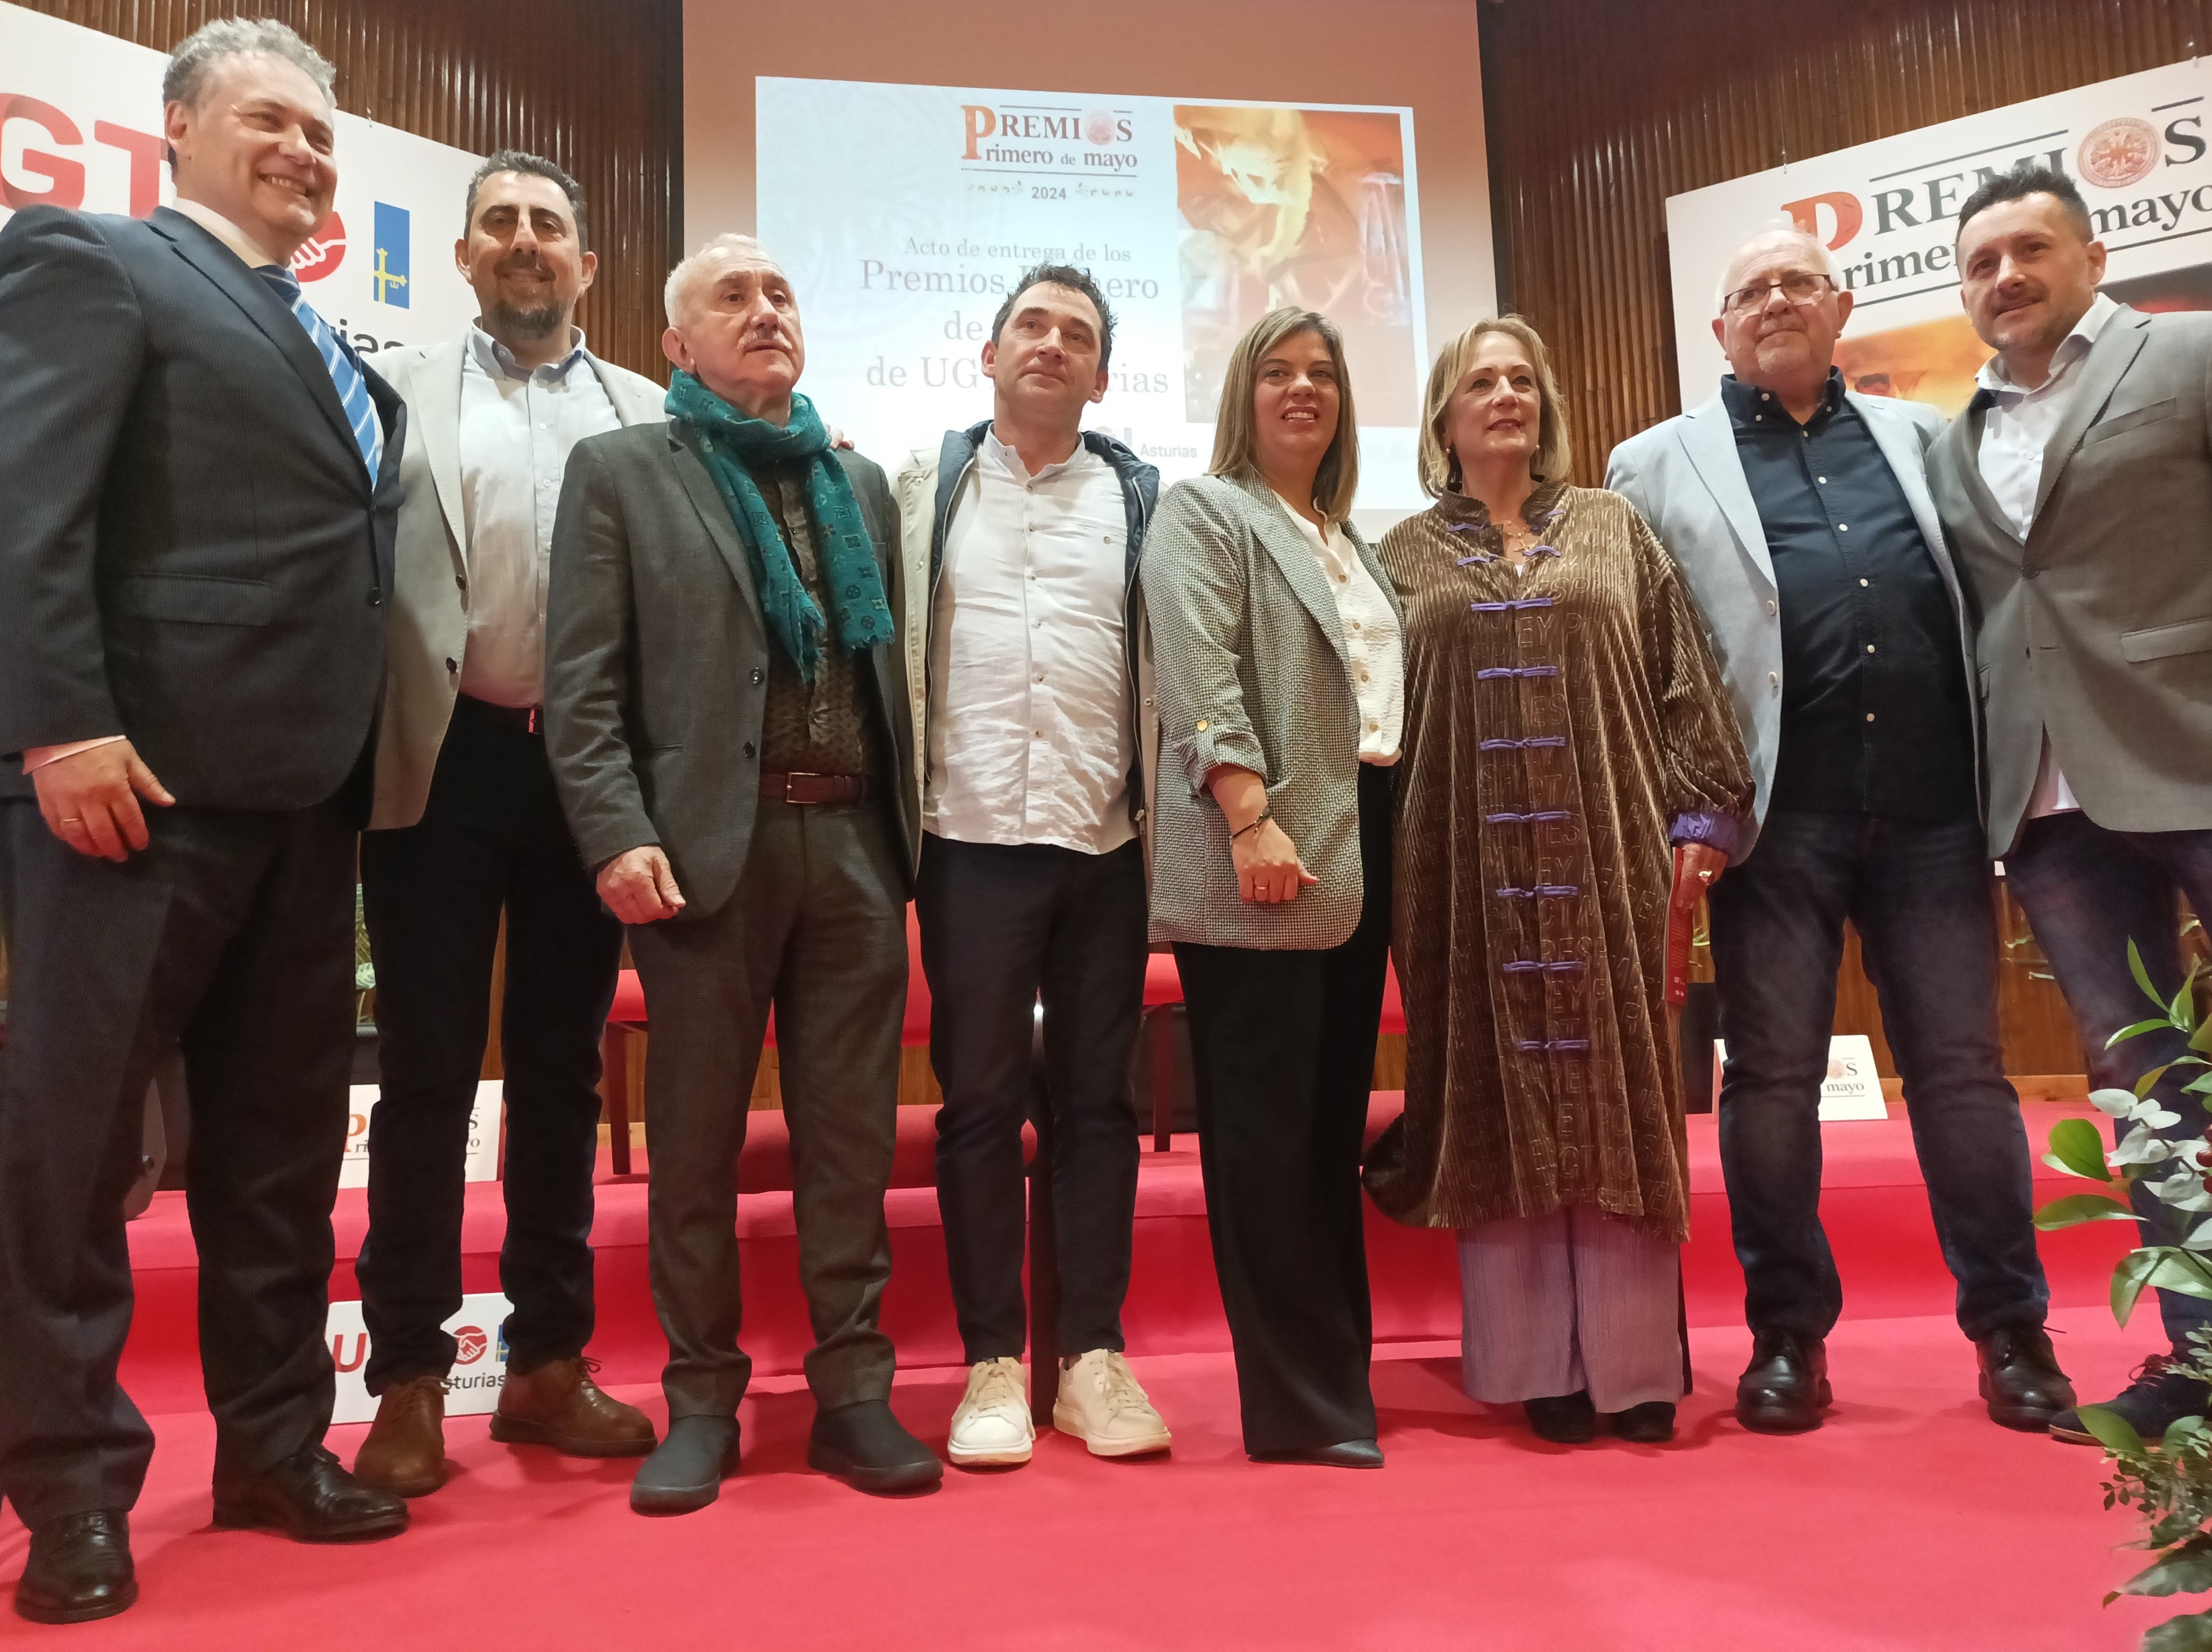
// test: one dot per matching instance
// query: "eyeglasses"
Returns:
(1799, 287)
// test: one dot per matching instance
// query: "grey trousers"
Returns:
(817, 929)
(1556, 1304)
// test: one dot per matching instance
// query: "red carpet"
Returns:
(1909, 1522)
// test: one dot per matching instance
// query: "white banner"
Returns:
(2137, 147)
(906, 211)
(81, 126)
(486, 1118)
(1852, 1089)
(479, 1364)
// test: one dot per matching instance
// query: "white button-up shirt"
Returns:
(517, 428)
(1029, 725)
(2016, 432)
(1372, 641)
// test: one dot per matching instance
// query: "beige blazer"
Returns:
(430, 612)
(1251, 670)
(2098, 628)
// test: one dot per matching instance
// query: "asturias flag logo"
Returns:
(389, 274)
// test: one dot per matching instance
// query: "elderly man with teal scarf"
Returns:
(728, 719)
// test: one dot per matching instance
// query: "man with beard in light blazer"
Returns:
(467, 831)
(2078, 487)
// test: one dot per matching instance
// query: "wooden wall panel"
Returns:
(594, 86)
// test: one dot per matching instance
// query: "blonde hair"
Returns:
(1235, 431)
(1555, 453)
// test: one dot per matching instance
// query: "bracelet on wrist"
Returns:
(1252, 825)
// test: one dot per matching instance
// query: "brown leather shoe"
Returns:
(405, 1451)
(558, 1405)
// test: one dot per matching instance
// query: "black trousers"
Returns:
(491, 840)
(1283, 1057)
(816, 931)
(1004, 927)
(230, 935)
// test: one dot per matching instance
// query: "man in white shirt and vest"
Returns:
(2077, 488)
(466, 827)
(1021, 536)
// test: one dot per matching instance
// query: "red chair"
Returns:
(627, 1016)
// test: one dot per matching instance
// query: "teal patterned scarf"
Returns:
(727, 439)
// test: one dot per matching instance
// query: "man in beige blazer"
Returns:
(2077, 489)
(467, 827)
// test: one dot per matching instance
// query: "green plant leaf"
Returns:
(2180, 1428)
(2149, 1082)
(2181, 1010)
(2073, 1209)
(2183, 1569)
(2158, 1023)
(2179, 1271)
(2129, 1274)
(2200, 1040)
(2191, 1632)
(2142, 976)
(2077, 1147)
(2113, 1431)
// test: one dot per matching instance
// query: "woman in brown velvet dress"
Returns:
(1564, 719)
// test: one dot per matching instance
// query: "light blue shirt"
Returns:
(518, 425)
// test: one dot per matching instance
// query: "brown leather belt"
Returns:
(524, 719)
(816, 788)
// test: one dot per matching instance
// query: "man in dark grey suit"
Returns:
(727, 719)
(2078, 487)
(200, 481)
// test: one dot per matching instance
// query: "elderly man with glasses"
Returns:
(1800, 511)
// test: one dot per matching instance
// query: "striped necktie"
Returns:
(352, 388)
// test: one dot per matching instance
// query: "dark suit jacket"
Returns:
(656, 661)
(2097, 630)
(191, 551)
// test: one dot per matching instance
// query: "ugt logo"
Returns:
(321, 253)
(389, 276)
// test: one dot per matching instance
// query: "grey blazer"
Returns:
(1251, 670)
(1685, 477)
(430, 612)
(2097, 630)
(656, 661)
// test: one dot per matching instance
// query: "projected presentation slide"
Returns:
(905, 213)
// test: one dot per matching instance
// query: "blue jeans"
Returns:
(1918, 892)
(2088, 892)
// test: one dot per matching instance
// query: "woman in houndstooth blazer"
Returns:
(1280, 690)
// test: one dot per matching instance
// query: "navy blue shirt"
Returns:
(1875, 714)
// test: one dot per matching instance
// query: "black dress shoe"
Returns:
(307, 1496)
(1785, 1386)
(1563, 1418)
(1345, 1454)
(864, 1445)
(2158, 1397)
(79, 1569)
(686, 1470)
(2020, 1378)
(1651, 1423)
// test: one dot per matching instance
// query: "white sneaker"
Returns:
(992, 1423)
(1101, 1404)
